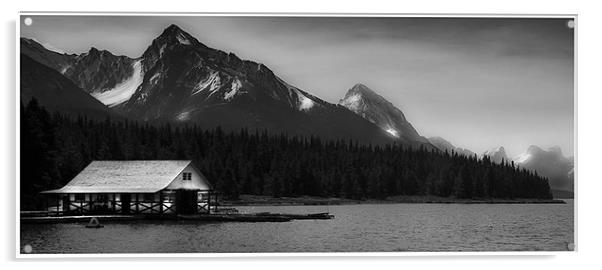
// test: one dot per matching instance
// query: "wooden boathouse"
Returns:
(160, 187)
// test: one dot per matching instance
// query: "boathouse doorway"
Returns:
(126, 198)
(186, 201)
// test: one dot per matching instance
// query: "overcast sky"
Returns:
(479, 83)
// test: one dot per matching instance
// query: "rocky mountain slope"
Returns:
(55, 92)
(366, 103)
(180, 79)
(445, 145)
(109, 78)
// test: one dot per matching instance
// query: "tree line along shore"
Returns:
(55, 147)
(258, 200)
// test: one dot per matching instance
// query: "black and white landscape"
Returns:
(482, 147)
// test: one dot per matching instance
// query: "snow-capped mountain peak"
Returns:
(527, 155)
(534, 151)
(524, 157)
(177, 78)
(362, 88)
(555, 149)
(178, 69)
(499, 149)
(497, 155)
(366, 103)
(357, 97)
(550, 163)
(175, 35)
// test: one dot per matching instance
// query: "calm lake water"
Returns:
(366, 227)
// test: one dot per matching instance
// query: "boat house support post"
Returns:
(137, 203)
(161, 202)
(209, 202)
(58, 203)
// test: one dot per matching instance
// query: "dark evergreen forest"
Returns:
(55, 147)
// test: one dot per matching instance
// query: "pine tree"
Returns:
(55, 147)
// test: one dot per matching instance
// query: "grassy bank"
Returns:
(308, 200)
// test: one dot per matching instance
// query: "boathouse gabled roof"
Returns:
(135, 176)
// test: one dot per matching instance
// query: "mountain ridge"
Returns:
(95, 71)
(180, 79)
(444, 145)
(54, 91)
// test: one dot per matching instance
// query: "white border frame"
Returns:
(20, 255)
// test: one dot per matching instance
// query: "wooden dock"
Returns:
(257, 217)
(298, 216)
(235, 218)
(77, 219)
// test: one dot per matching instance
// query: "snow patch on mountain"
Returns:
(495, 150)
(306, 103)
(153, 80)
(234, 87)
(64, 69)
(124, 90)
(366, 103)
(162, 50)
(183, 39)
(296, 97)
(522, 158)
(352, 102)
(393, 132)
(213, 82)
(183, 116)
(497, 155)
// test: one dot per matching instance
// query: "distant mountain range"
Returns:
(179, 79)
(445, 145)
(551, 164)
(497, 155)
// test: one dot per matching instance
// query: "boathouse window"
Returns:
(186, 176)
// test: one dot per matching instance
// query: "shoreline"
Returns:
(255, 200)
